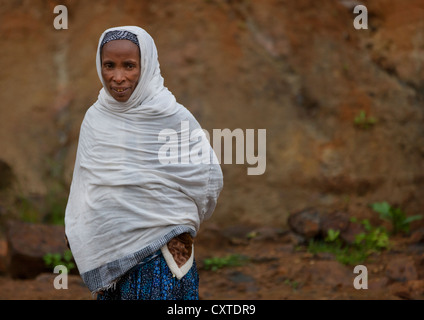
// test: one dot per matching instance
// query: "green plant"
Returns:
(54, 259)
(252, 235)
(346, 254)
(292, 283)
(363, 121)
(332, 235)
(373, 240)
(230, 260)
(400, 222)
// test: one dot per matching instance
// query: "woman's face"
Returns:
(121, 68)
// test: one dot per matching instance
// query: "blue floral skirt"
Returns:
(152, 280)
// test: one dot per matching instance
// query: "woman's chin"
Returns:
(121, 97)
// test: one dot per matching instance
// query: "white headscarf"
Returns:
(150, 93)
(125, 204)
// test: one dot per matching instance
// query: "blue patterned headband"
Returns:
(119, 35)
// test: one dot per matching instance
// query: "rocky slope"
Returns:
(298, 69)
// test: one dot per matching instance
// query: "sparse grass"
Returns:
(292, 283)
(56, 202)
(48, 208)
(363, 121)
(27, 210)
(231, 260)
(373, 240)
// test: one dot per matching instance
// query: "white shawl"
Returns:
(124, 203)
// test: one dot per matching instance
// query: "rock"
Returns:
(417, 236)
(3, 256)
(6, 175)
(348, 235)
(28, 244)
(337, 220)
(410, 290)
(237, 234)
(402, 269)
(315, 149)
(400, 289)
(310, 223)
(305, 222)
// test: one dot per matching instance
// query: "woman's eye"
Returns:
(130, 66)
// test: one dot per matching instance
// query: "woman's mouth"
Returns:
(120, 90)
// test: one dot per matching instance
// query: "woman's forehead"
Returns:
(123, 48)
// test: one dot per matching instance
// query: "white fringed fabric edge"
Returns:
(172, 265)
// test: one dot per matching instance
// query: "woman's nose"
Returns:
(118, 76)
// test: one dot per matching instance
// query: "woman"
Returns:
(132, 215)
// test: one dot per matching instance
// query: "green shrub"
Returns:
(400, 222)
(54, 259)
(373, 240)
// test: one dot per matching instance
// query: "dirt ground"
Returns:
(276, 269)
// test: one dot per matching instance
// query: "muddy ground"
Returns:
(277, 268)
